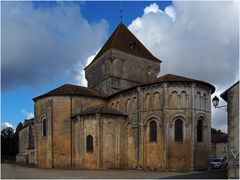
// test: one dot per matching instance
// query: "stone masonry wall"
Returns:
(108, 142)
(114, 71)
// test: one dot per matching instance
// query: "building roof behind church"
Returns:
(73, 90)
(100, 110)
(123, 39)
(219, 138)
(224, 94)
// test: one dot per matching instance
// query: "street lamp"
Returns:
(215, 102)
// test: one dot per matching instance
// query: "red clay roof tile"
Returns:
(69, 89)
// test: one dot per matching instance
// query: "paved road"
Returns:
(214, 174)
(13, 171)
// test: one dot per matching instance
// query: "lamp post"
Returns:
(215, 102)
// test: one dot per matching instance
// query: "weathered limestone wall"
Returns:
(43, 145)
(81, 103)
(114, 71)
(26, 153)
(61, 132)
(23, 139)
(164, 103)
(108, 135)
(31, 156)
(221, 149)
(55, 150)
(233, 127)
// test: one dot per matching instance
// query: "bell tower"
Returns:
(123, 62)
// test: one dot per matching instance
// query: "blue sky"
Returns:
(47, 44)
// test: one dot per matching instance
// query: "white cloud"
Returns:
(199, 40)
(152, 8)
(28, 115)
(80, 73)
(6, 124)
(169, 10)
(42, 45)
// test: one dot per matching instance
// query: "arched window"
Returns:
(156, 101)
(174, 100)
(200, 131)
(135, 105)
(128, 107)
(183, 99)
(44, 127)
(89, 146)
(148, 102)
(178, 130)
(153, 131)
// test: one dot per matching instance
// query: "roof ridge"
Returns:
(116, 33)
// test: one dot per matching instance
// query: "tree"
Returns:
(7, 132)
(9, 142)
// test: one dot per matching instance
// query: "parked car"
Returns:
(218, 163)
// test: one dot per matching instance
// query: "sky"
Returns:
(47, 44)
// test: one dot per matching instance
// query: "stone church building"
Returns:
(126, 118)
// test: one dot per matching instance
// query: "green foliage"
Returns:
(215, 131)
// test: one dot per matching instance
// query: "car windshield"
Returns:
(216, 160)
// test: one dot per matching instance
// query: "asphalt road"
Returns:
(214, 174)
(14, 171)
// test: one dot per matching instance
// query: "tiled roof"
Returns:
(168, 78)
(124, 40)
(219, 138)
(176, 78)
(69, 89)
(100, 110)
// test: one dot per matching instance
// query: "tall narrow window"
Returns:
(178, 130)
(153, 131)
(44, 127)
(199, 131)
(89, 144)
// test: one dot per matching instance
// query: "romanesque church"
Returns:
(127, 117)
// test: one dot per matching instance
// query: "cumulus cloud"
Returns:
(28, 115)
(201, 43)
(199, 40)
(152, 8)
(6, 124)
(40, 46)
(169, 10)
(80, 74)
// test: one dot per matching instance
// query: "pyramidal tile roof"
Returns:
(73, 90)
(123, 39)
